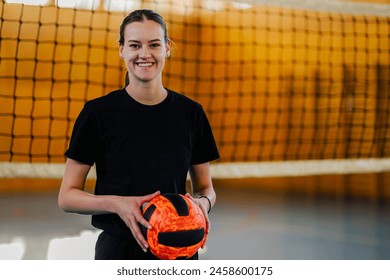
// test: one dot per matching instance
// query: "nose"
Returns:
(144, 53)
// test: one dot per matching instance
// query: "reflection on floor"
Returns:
(246, 224)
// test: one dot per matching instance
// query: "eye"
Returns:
(155, 45)
(134, 46)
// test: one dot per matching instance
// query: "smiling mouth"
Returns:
(144, 64)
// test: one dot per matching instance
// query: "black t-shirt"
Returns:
(139, 149)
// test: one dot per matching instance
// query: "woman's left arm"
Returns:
(203, 193)
(202, 186)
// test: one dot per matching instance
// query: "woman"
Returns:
(144, 139)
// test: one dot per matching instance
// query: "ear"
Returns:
(168, 48)
(121, 51)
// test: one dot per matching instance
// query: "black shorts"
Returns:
(112, 247)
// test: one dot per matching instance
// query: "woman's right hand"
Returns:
(73, 199)
(129, 210)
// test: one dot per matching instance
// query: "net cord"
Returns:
(225, 170)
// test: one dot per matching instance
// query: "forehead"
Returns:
(144, 31)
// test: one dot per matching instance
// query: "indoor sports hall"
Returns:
(297, 94)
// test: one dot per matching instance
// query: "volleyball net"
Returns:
(291, 88)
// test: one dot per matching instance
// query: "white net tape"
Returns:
(225, 170)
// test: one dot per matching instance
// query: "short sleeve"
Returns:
(84, 140)
(204, 149)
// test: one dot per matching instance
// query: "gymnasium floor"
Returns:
(246, 224)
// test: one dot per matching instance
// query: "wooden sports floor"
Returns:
(246, 224)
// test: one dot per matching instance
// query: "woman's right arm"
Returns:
(73, 199)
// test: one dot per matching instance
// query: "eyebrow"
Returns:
(151, 41)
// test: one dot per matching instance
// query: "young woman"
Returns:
(144, 139)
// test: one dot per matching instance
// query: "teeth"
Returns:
(145, 64)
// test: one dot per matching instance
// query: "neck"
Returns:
(146, 94)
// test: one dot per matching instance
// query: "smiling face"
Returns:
(144, 50)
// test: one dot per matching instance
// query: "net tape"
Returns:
(225, 170)
(283, 82)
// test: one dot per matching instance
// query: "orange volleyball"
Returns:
(178, 226)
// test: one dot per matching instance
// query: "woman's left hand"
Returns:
(203, 206)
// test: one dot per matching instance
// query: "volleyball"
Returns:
(178, 226)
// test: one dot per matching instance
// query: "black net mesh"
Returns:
(277, 83)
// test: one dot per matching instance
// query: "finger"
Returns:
(136, 213)
(207, 230)
(140, 243)
(135, 230)
(148, 197)
(205, 241)
(205, 213)
(189, 196)
(208, 225)
(140, 219)
(206, 234)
